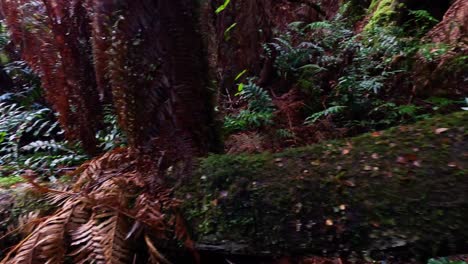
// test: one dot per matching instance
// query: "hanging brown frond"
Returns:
(53, 38)
(85, 250)
(110, 230)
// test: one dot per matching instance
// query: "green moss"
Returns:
(401, 188)
(382, 13)
(7, 182)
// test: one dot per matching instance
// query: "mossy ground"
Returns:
(7, 182)
(400, 191)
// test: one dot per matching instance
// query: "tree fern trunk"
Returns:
(158, 74)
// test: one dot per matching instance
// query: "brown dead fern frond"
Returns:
(46, 244)
(110, 231)
(28, 222)
(110, 212)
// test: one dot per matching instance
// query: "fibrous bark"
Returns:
(454, 26)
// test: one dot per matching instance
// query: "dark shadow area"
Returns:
(436, 8)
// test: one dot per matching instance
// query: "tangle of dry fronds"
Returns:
(107, 215)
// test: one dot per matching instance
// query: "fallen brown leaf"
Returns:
(349, 183)
(441, 130)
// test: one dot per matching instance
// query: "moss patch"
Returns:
(401, 191)
(382, 13)
(7, 182)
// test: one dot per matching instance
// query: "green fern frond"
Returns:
(32, 139)
(334, 110)
(319, 25)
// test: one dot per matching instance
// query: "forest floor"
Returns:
(384, 191)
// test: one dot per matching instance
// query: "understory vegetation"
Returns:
(33, 140)
(110, 112)
(367, 68)
(357, 81)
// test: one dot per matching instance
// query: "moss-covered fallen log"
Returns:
(403, 191)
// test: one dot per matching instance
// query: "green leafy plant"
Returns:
(441, 102)
(111, 136)
(6, 182)
(433, 51)
(445, 261)
(285, 133)
(259, 111)
(291, 58)
(32, 139)
(420, 22)
(222, 7)
(352, 74)
(308, 55)
(409, 110)
(364, 79)
(333, 110)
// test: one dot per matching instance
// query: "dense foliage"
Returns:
(360, 78)
(31, 139)
(351, 80)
